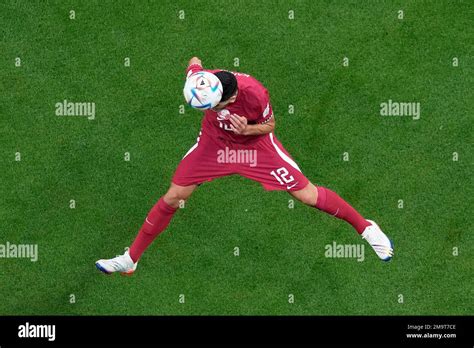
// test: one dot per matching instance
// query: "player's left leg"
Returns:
(331, 203)
(276, 170)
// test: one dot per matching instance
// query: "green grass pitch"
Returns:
(423, 54)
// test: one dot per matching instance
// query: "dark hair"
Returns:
(229, 84)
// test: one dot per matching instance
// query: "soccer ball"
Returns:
(203, 90)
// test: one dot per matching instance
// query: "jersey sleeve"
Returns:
(191, 69)
(262, 111)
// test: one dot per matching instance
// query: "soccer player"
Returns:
(243, 120)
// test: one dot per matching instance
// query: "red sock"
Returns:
(330, 202)
(157, 220)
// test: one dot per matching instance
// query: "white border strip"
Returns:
(191, 150)
(283, 155)
(194, 146)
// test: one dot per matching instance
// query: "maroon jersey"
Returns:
(253, 103)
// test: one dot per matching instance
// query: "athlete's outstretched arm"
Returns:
(194, 65)
(239, 126)
(195, 60)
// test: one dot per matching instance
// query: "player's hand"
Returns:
(238, 124)
(194, 60)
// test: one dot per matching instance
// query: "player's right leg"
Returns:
(200, 164)
(156, 222)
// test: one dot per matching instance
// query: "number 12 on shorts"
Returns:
(281, 174)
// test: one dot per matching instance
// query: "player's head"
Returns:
(229, 89)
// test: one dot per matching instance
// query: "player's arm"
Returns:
(239, 126)
(194, 65)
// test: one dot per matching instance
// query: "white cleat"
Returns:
(122, 263)
(378, 241)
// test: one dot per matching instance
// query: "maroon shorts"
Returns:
(265, 161)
